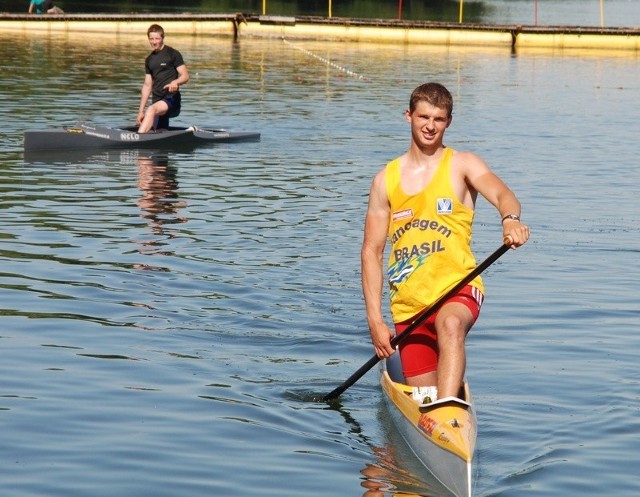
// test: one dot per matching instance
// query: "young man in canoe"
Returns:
(424, 202)
(165, 72)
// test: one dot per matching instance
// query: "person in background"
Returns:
(165, 72)
(424, 203)
(44, 7)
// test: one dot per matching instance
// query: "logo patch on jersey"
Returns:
(444, 206)
(405, 214)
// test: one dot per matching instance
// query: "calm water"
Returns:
(168, 320)
(530, 12)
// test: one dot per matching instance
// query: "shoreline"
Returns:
(239, 26)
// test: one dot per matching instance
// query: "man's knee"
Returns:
(158, 109)
(452, 330)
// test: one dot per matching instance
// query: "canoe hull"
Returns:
(442, 435)
(85, 137)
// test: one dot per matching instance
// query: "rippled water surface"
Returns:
(169, 320)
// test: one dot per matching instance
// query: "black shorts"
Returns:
(173, 101)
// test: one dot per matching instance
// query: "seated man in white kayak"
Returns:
(424, 203)
(165, 72)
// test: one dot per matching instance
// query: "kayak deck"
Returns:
(442, 434)
(83, 136)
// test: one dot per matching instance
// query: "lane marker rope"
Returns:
(325, 61)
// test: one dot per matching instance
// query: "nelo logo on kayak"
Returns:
(129, 137)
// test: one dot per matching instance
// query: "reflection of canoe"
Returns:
(442, 434)
(124, 156)
(83, 136)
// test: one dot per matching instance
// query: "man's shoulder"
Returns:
(173, 51)
(461, 154)
(467, 160)
(393, 163)
(174, 55)
(390, 173)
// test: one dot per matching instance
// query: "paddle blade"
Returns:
(334, 394)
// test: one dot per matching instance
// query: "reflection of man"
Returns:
(159, 184)
(379, 477)
(374, 481)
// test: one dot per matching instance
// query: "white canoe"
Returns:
(442, 435)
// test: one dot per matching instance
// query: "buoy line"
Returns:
(325, 61)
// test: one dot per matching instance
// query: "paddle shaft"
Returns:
(419, 320)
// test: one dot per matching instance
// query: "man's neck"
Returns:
(426, 156)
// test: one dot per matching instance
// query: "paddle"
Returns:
(420, 319)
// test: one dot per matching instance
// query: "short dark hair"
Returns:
(433, 93)
(155, 28)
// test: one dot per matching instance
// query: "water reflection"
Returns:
(385, 478)
(396, 471)
(390, 476)
(160, 204)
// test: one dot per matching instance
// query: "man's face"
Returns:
(155, 40)
(428, 123)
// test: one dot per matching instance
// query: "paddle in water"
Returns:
(420, 319)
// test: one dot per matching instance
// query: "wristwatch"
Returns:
(511, 216)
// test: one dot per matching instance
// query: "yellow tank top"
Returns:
(430, 235)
